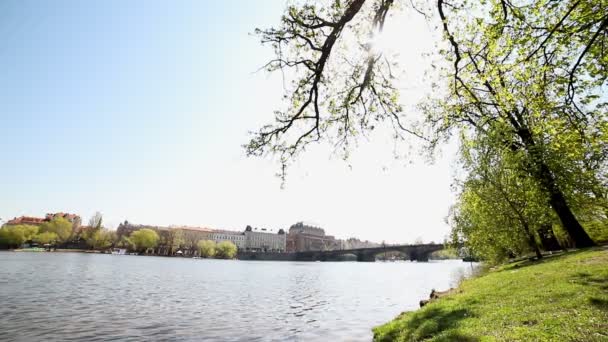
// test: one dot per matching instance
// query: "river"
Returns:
(93, 297)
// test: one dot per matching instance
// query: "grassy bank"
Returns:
(561, 298)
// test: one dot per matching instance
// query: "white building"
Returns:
(265, 241)
(237, 238)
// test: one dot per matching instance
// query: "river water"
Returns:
(92, 297)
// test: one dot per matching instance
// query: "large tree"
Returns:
(101, 238)
(175, 239)
(523, 75)
(59, 226)
(226, 250)
(45, 238)
(15, 236)
(499, 209)
(144, 239)
(207, 248)
(96, 221)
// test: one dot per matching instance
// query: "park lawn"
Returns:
(560, 298)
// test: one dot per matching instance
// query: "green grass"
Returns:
(560, 298)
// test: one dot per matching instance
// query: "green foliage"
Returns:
(530, 117)
(175, 239)
(15, 236)
(207, 248)
(598, 230)
(226, 250)
(144, 239)
(500, 208)
(562, 298)
(125, 242)
(446, 253)
(519, 84)
(46, 238)
(341, 87)
(101, 238)
(59, 226)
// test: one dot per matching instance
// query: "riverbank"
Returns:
(560, 298)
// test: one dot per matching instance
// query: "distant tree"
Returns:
(175, 240)
(125, 242)
(207, 248)
(101, 238)
(59, 226)
(96, 221)
(15, 236)
(45, 238)
(29, 231)
(144, 239)
(226, 250)
(8, 237)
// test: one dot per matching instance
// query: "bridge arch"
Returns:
(415, 252)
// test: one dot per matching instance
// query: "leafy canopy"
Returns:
(60, 226)
(521, 80)
(15, 236)
(144, 239)
(207, 248)
(226, 250)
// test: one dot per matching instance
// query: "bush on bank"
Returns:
(560, 298)
(221, 250)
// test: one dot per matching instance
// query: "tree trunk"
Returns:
(532, 241)
(569, 221)
(556, 198)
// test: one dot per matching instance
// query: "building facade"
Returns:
(186, 238)
(305, 237)
(238, 238)
(29, 220)
(264, 241)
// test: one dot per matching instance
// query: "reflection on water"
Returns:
(70, 296)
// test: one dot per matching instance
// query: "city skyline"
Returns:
(141, 115)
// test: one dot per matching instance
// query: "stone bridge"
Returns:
(414, 252)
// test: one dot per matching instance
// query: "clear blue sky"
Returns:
(138, 109)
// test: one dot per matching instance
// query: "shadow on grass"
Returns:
(599, 281)
(599, 303)
(548, 258)
(431, 322)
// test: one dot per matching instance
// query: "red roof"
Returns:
(25, 220)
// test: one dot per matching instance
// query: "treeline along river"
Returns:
(92, 297)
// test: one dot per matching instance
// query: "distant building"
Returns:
(188, 237)
(251, 239)
(36, 221)
(305, 237)
(238, 238)
(172, 236)
(264, 240)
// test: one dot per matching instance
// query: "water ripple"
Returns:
(83, 297)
